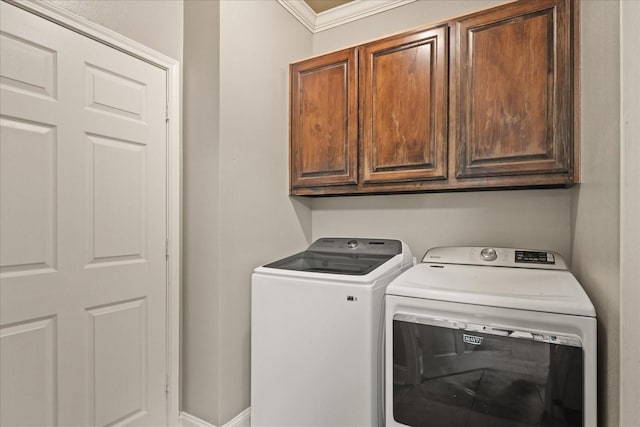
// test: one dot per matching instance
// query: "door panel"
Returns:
(114, 93)
(118, 390)
(28, 67)
(83, 224)
(28, 164)
(30, 345)
(115, 211)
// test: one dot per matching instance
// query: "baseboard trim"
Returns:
(188, 420)
(243, 419)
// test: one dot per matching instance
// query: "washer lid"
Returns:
(342, 256)
(553, 291)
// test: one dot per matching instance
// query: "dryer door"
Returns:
(448, 373)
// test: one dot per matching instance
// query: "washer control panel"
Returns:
(356, 246)
(498, 257)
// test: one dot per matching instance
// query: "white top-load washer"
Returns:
(489, 337)
(317, 332)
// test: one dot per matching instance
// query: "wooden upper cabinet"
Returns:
(403, 107)
(512, 94)
(486, 100)
(324, 131)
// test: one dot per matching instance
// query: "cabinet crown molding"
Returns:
(352, 11)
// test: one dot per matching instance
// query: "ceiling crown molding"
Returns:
(352, 11)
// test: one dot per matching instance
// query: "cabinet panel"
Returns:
(324, 121)
(403, 107)
(514, 83)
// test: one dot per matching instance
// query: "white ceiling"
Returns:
(320, 6)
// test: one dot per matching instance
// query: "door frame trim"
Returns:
(171, 66)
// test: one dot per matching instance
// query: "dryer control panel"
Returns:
(497, 257)
(535, 257)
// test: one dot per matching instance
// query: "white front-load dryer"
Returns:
(317, 333)
(489, 337)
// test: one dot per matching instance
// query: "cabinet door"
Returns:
(403, 107)
(324, 132)
(512, 113)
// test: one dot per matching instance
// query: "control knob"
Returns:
(488, 254)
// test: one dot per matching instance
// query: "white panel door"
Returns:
(83, 226)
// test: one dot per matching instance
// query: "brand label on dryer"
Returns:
(471, 339)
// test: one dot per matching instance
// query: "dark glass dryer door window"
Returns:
(451, 374)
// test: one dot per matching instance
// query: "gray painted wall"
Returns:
(630, 215)
(258, 220)
(595, 207)
(201, 219)
(531, 219)
(157, 25)
(236, 211)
